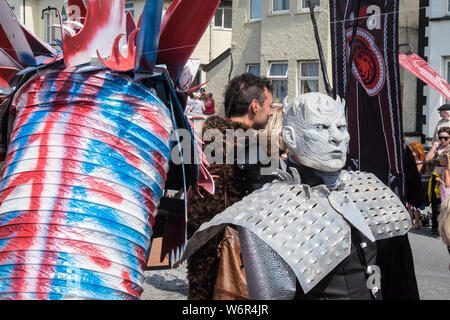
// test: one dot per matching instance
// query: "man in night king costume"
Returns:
(313, 235)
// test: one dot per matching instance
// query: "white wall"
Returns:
(279, 37)
(437, 51)
(218, 80)
(409, 33)
(33, 11)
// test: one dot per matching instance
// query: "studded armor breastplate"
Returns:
(309, 228)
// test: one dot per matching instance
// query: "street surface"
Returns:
(170, 284)
(431, 261)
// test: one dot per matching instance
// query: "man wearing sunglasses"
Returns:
(444, 121)
(443, 136)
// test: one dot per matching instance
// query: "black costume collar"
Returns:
(314, 177)
(307, 174)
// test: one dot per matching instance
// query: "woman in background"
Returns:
(209, 104)
(274, 126)
(444, 224)
(438, 171)
(419, 156)
(445, 180)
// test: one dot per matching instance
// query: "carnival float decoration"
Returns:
(88, 137)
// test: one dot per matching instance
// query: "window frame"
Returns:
(278, 77)
(250, 11)
(50, 19)
(284, 78)
(273, 11)
(47, 27)
(254, 65)
(306, 78)
(129, 9)
(302, 8)
(223, 19)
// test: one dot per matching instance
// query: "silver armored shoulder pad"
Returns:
(383, 211)
(296, 221)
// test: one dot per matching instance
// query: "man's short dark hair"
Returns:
(242, 90)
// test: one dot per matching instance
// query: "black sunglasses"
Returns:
(445, 138)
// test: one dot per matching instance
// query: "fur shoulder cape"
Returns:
(229, 188)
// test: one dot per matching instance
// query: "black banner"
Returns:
(371, 87)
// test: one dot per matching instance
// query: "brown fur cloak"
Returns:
(229, 188)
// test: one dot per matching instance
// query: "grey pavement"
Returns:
(431, 261)
(169, 284)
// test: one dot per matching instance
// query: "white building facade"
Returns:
(40, 15)
(437, 53)
(275, 38)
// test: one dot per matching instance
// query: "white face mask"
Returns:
(315, 131)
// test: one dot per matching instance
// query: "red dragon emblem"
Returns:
(368, 64)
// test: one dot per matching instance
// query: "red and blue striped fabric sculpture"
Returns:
(88, 150)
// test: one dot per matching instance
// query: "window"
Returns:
(255, 9)
(306, 6)
(278, 73)
(280, 5)
(51, 33)
(48, 27)
(448, 7)
(254, 69)
(309, 77)
(129, 7)
(222, 18)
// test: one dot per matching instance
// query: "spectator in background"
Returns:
(209, 104)
(444, 224)
(203, 94)
(248, 104)
(196, 105)
(189, 101)
(443, 122)
(434, 196)
(445, 180)
(274, 127)
(419, 156)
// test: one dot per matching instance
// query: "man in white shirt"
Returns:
(444, 121)
(196, 105)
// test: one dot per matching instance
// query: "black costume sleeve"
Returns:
(415, 193)
(398, 277)
(394, 256)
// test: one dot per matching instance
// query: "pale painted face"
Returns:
(320, 136)
(325, 141)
